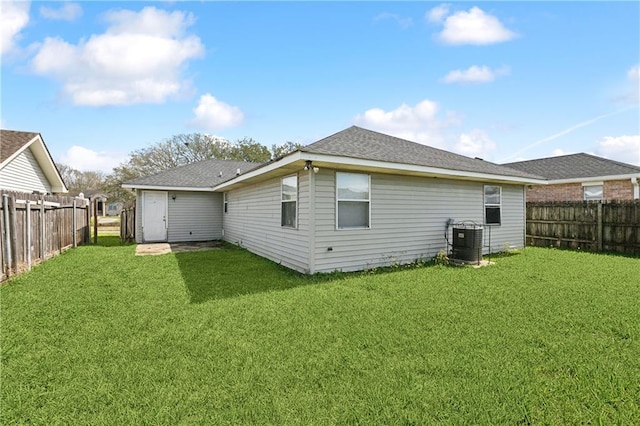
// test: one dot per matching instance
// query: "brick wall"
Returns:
(618, 190)
(613, 190)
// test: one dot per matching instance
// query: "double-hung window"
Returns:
(289, 201)
(225, 202)
(492, 205)
(353, 202)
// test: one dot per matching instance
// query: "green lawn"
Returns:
(98, 336)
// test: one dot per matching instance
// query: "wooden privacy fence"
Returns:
(586, 225)
(128, 224)
(35, 228)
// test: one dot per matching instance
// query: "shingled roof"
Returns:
(12, 140)
(574, 166)
(202, 174)
(360, 143)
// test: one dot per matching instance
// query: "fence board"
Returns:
(47, 231)
(128, 224)
(585, 225)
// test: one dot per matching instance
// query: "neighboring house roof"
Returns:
(13, 143)
(576, 167)
(199, 176)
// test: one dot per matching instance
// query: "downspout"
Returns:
(312, 221)
(636, 188)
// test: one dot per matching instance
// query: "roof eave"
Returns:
(166, 187)
(327, 160)
(593, 178)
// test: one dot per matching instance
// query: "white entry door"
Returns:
(154, 216)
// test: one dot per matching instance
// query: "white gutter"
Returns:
(166, 188)
(594, 179)
(636, 188)
(420, 169)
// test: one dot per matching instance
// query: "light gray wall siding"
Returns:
(23, 173)
(253, 222)
(511, 232)
(194, 216)
(138, 216)
(408, 217)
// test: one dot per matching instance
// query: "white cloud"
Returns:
(85, 159)
(215, 115)
(566, 131)
(633, 75)
(474, 27)
(437, 14)
(67, 12)
(558, 152)
(139, 59)
(14, 17)
(620, 148)
(402, 22)
(475, 143)
(475, 74)
(420, 123)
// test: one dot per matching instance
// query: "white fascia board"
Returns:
(350, 161)
(594, 179)
(291, 158)
(166, 188)
(432, 171)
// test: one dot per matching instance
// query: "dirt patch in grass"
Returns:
(155, 249)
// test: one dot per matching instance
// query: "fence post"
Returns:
(599, 235)
(7, 236)
(74, 237)
(14, 234)
(95, 221)
(27, 225)
(43, 229)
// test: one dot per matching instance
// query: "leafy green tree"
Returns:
(77, 181)
(278, 151)
(183, 149)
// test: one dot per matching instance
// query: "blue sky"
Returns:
(504, 81)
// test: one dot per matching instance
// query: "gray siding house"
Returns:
(26, 164)
(355, 200)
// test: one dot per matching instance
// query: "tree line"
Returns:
(179, 150)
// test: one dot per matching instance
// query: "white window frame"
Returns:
(282, 201)
(225, 203)
(591, 184)
(362, 201)
(492, 205)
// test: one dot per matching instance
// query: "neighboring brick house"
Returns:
(578, 177)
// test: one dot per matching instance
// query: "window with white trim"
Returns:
(353, 202)
(592, 192)
(225, 202)
(492, 205)
(289, 201)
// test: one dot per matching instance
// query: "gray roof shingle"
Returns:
(357, 142)
(201, 174)
(12, 140)
(574, 166)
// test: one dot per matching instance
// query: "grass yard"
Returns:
(98, 336)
